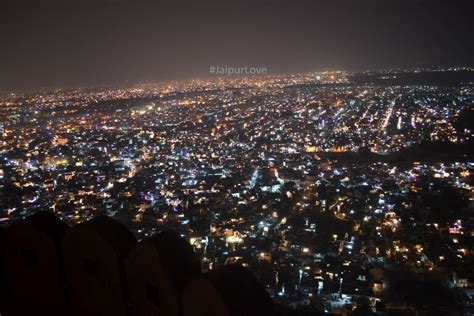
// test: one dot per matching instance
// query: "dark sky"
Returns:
(47, 43)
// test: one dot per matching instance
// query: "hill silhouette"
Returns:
(98, 268)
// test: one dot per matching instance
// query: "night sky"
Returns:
(53, 43)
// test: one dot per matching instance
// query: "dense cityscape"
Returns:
(341, 191)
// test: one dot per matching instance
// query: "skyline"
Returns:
(340, 193)
(236, 157)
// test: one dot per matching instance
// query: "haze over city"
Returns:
(69, 43)
(214, 158)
